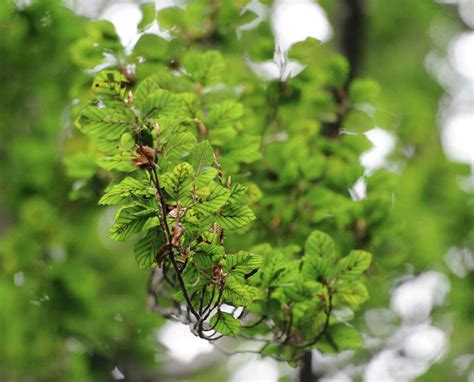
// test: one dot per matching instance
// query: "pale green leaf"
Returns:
(354, 264)
(242, 263)
(126, 189)
(225, 323)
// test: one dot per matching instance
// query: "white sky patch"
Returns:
(182, 344)
(125, 17)
(414, 300)
(295, 20)
(458, 137)
(462, 54)
(384, 143)
(265, 370)
(117, 374)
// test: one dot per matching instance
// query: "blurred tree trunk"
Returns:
(352, 24)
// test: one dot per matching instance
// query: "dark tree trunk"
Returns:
(306, 370)
(353, 33)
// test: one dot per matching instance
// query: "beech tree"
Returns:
(234, 193)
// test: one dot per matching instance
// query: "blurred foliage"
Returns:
(62, 282)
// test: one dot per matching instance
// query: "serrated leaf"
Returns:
(208, 255)
(129, 220)
(177, 183)
(206, 68)
(342, 338)
(146, 248)
(354, 264)
(225, 323)
(160, 103)
(120, 162)
(111, 83)
(314, 268)
(353, 294)
(224, 113)
(178, 146)
(245, 149)
(202, 157)
(237, 293)
(214, 201)
(242, 263)
(106, 123)
(235, 217)
(126, 189)
(319, 244)
(144, 89)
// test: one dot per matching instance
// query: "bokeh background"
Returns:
(73, 303)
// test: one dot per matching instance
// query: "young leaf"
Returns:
(235, 217)
(242, 263)
(146, 249)
(353, 294)
(160, 102)
(144, 89)
(354, 264)
(120, 162)
(106, 123)
(202, 157)
(319, 244)
(177, 183)
(225, 323)
(237, 293)
(214, 201)
(207, 255)
(223, 114)
(315, 267)
(178, 146)
(128, 221)
(204, 68)
(126, 189)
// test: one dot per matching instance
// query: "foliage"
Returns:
(180, 196)
(237, 193)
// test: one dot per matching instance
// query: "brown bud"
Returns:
(146, 156)
(177, 232)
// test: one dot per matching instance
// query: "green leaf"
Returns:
(225, 323)
(177, 183)
(237, 293)
(110, 83)
(146, 248)
(243, 263)
(130, 220)
(207, 255)
(245, 149)
(144, 89)
(342, 338)
(148, 16)
(160, 103)
(126, 189)
(178, 146)
(319, 244)
(106, 123)
(315, 267)
(224, 113)
(353, 294)
(234, 217)
(121, 162)
(363, 90)
(206, 68)
(202, 157)
(354, 264)
(214, 201)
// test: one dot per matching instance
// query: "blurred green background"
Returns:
(73, 303)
